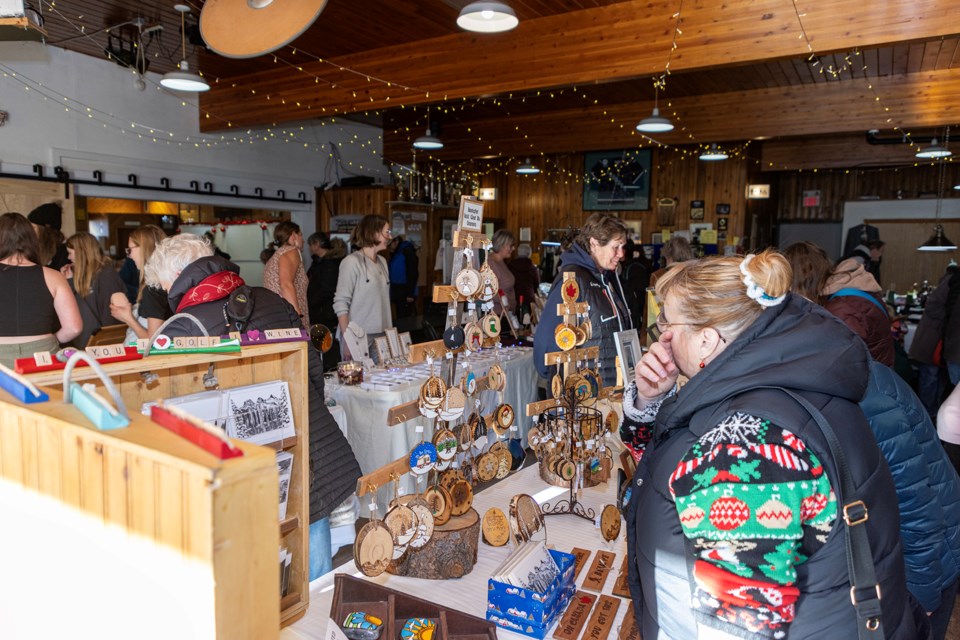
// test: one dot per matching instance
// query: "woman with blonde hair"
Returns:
(95, 283)
(283, 273)
(41, 310)
(152, 308)
(756, 473)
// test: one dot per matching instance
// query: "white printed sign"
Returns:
(471, 214)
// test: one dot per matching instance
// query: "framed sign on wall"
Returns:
(617, 180)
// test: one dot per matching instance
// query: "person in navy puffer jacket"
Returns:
(928, 491)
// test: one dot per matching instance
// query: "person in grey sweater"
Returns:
(363, 287)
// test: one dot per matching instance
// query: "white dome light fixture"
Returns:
(934, 151)
(487, 17)
(184, 79)
(713, 153)
(428, 141)
(655, 123)
(527, 168)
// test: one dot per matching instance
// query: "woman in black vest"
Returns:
(734, 523)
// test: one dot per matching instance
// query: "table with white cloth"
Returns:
(375, 444)
(469, 593)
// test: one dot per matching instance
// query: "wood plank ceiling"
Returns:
(577, 75)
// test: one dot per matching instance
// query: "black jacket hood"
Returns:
(796, 345)
(195, 273)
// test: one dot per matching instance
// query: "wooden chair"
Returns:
(111, 334)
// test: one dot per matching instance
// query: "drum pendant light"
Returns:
(184, 79)
(939, 241)
(528, 168)
(487, 17)
(655, 123)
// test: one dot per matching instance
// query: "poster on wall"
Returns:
(696, 209)
(617, 180)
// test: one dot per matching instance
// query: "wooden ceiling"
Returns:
(577, 75)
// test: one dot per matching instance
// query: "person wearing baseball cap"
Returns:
(47, 220)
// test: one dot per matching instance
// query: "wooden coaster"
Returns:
(601, 621)
(580, 559)
(610, 523)
(575, 616)
(602, 564)
(620, 587)
(629, 629)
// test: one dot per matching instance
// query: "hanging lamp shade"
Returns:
(184, 80)
(935, 150)
(487, 17)
(713, 153)
(527, 168)
(938, 241)
(250, 28)
(655, 123)
(428, 141)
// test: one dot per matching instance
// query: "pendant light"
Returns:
(527, 168)
(938, 241)
(429, 141)
(487, 17)
(934, 151)
(713, 153)
(184, 79)
(655, 123)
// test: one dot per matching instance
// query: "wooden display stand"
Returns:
(451, 552)
(156, 485)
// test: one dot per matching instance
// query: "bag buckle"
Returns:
(853, 593)
(855, 513)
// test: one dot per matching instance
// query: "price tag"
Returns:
(419, 428)
(451, 311)
(471, 305)
(513, 427)
(449, 355)
(578, 443)
(590, 444)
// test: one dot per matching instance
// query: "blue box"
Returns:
(529, 612)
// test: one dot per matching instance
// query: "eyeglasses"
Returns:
(657, 328)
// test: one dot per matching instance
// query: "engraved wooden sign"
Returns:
(629, 629)
(602, 564)
(602, 619)
(580, 559)
(575, 616)
(620, 587)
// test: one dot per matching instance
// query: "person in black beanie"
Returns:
(47, 219)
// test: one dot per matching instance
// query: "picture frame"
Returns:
(696, 209)
(393, 341)
(628, 351)
(405, 342)
(381, 348)
(723, 209)
(617, 180)
(635, 230)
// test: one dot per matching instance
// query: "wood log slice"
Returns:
(451, 552)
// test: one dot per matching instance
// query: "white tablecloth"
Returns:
(376, 444)
(469, 594)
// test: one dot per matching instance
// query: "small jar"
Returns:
(350, 372)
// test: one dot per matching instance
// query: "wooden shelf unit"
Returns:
(183, 374)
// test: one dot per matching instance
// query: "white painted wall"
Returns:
(40, 130)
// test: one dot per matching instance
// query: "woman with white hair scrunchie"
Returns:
(732, 509)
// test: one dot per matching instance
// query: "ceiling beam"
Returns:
(621, 41)
(927, 99)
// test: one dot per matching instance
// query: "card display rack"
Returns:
(240, 534)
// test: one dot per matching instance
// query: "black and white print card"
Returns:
(261, 413)
(284, 469)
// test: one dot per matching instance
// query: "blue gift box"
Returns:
(529, 612)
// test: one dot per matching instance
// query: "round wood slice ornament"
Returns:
(474, 336)
(612, 421)
(496, 378)
(373, 549)
(467, 282)
(423, 458)
(401, 521)
(570, 291)
(526, 517)
(495, 527)
(506, 463)
(491, 325)
(581, 335)
(610, 523)
(487, 467)
(425, 522)
(446, 443)
(503, 417)
(579, 386)
(453, 404)
(565, 337)
(556, 387)
(587, 327)
(438, 499)
(567, 469)
(462, 495)
(466, 436)
(469, 383)
(450, 478)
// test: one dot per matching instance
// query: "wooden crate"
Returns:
(245, 567)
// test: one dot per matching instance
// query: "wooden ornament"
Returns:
(446, 443)
(438, 499)
(425, 523)
(496, 529)
(401, 521)
(462, 495)
(373, 549)
(610, 523)
(565, 337)
(467, 282)
(487, 467)
(496, 378)
(556, 387)
(526, 517)
(570, 290)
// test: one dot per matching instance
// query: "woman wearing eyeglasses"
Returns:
(593, 258)
(152, 307)
(734, 527)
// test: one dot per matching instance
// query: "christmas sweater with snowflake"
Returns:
(754, 503)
